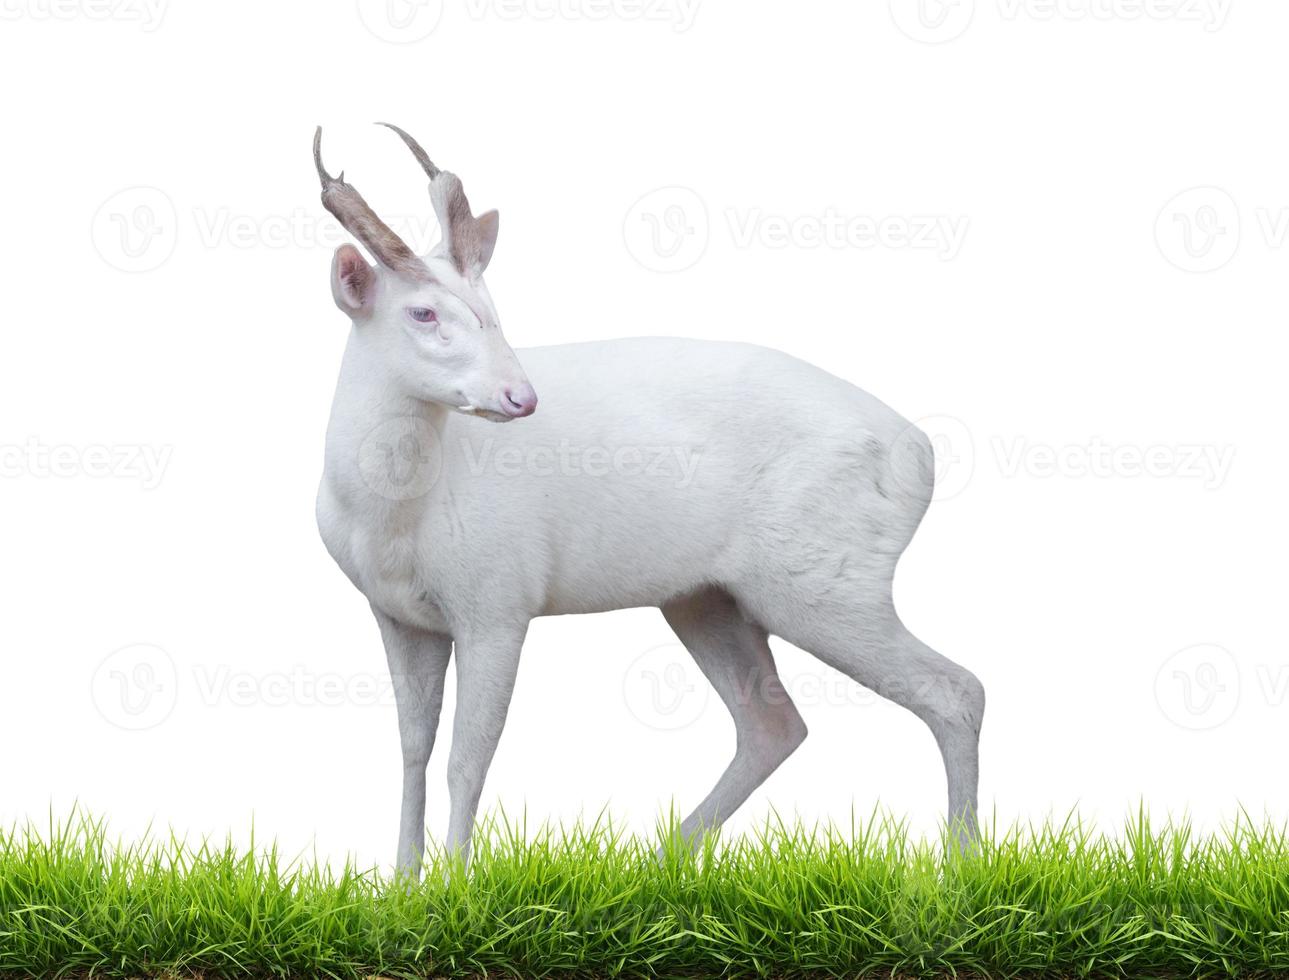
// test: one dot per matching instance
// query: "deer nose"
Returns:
(519, 400)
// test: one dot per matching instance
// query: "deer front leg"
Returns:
(486, 665)
(418, 662)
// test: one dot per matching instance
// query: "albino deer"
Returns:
(804, 493)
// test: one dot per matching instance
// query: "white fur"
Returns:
(743, 492)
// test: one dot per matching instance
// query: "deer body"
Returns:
(602, 502)
(741, 491)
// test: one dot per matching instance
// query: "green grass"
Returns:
(1054, 900)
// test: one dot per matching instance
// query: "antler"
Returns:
(422, 157)
(468, 241)
(360, 220)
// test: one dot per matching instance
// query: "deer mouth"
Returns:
(483, 413)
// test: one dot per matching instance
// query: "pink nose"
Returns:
(519, 400)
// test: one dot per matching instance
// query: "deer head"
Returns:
(427, 319)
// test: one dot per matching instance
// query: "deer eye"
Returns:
(422, 314)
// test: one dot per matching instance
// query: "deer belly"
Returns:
(596, 570)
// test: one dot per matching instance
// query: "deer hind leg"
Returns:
(874, 648)
(734, 654)
(951, 701)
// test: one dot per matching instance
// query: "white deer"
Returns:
(743, 492)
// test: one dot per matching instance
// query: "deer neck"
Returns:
(383, 447)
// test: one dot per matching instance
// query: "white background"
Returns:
(1100, 359)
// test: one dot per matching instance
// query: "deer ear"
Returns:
(487, 226)
(353, 281)
(468, 241)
